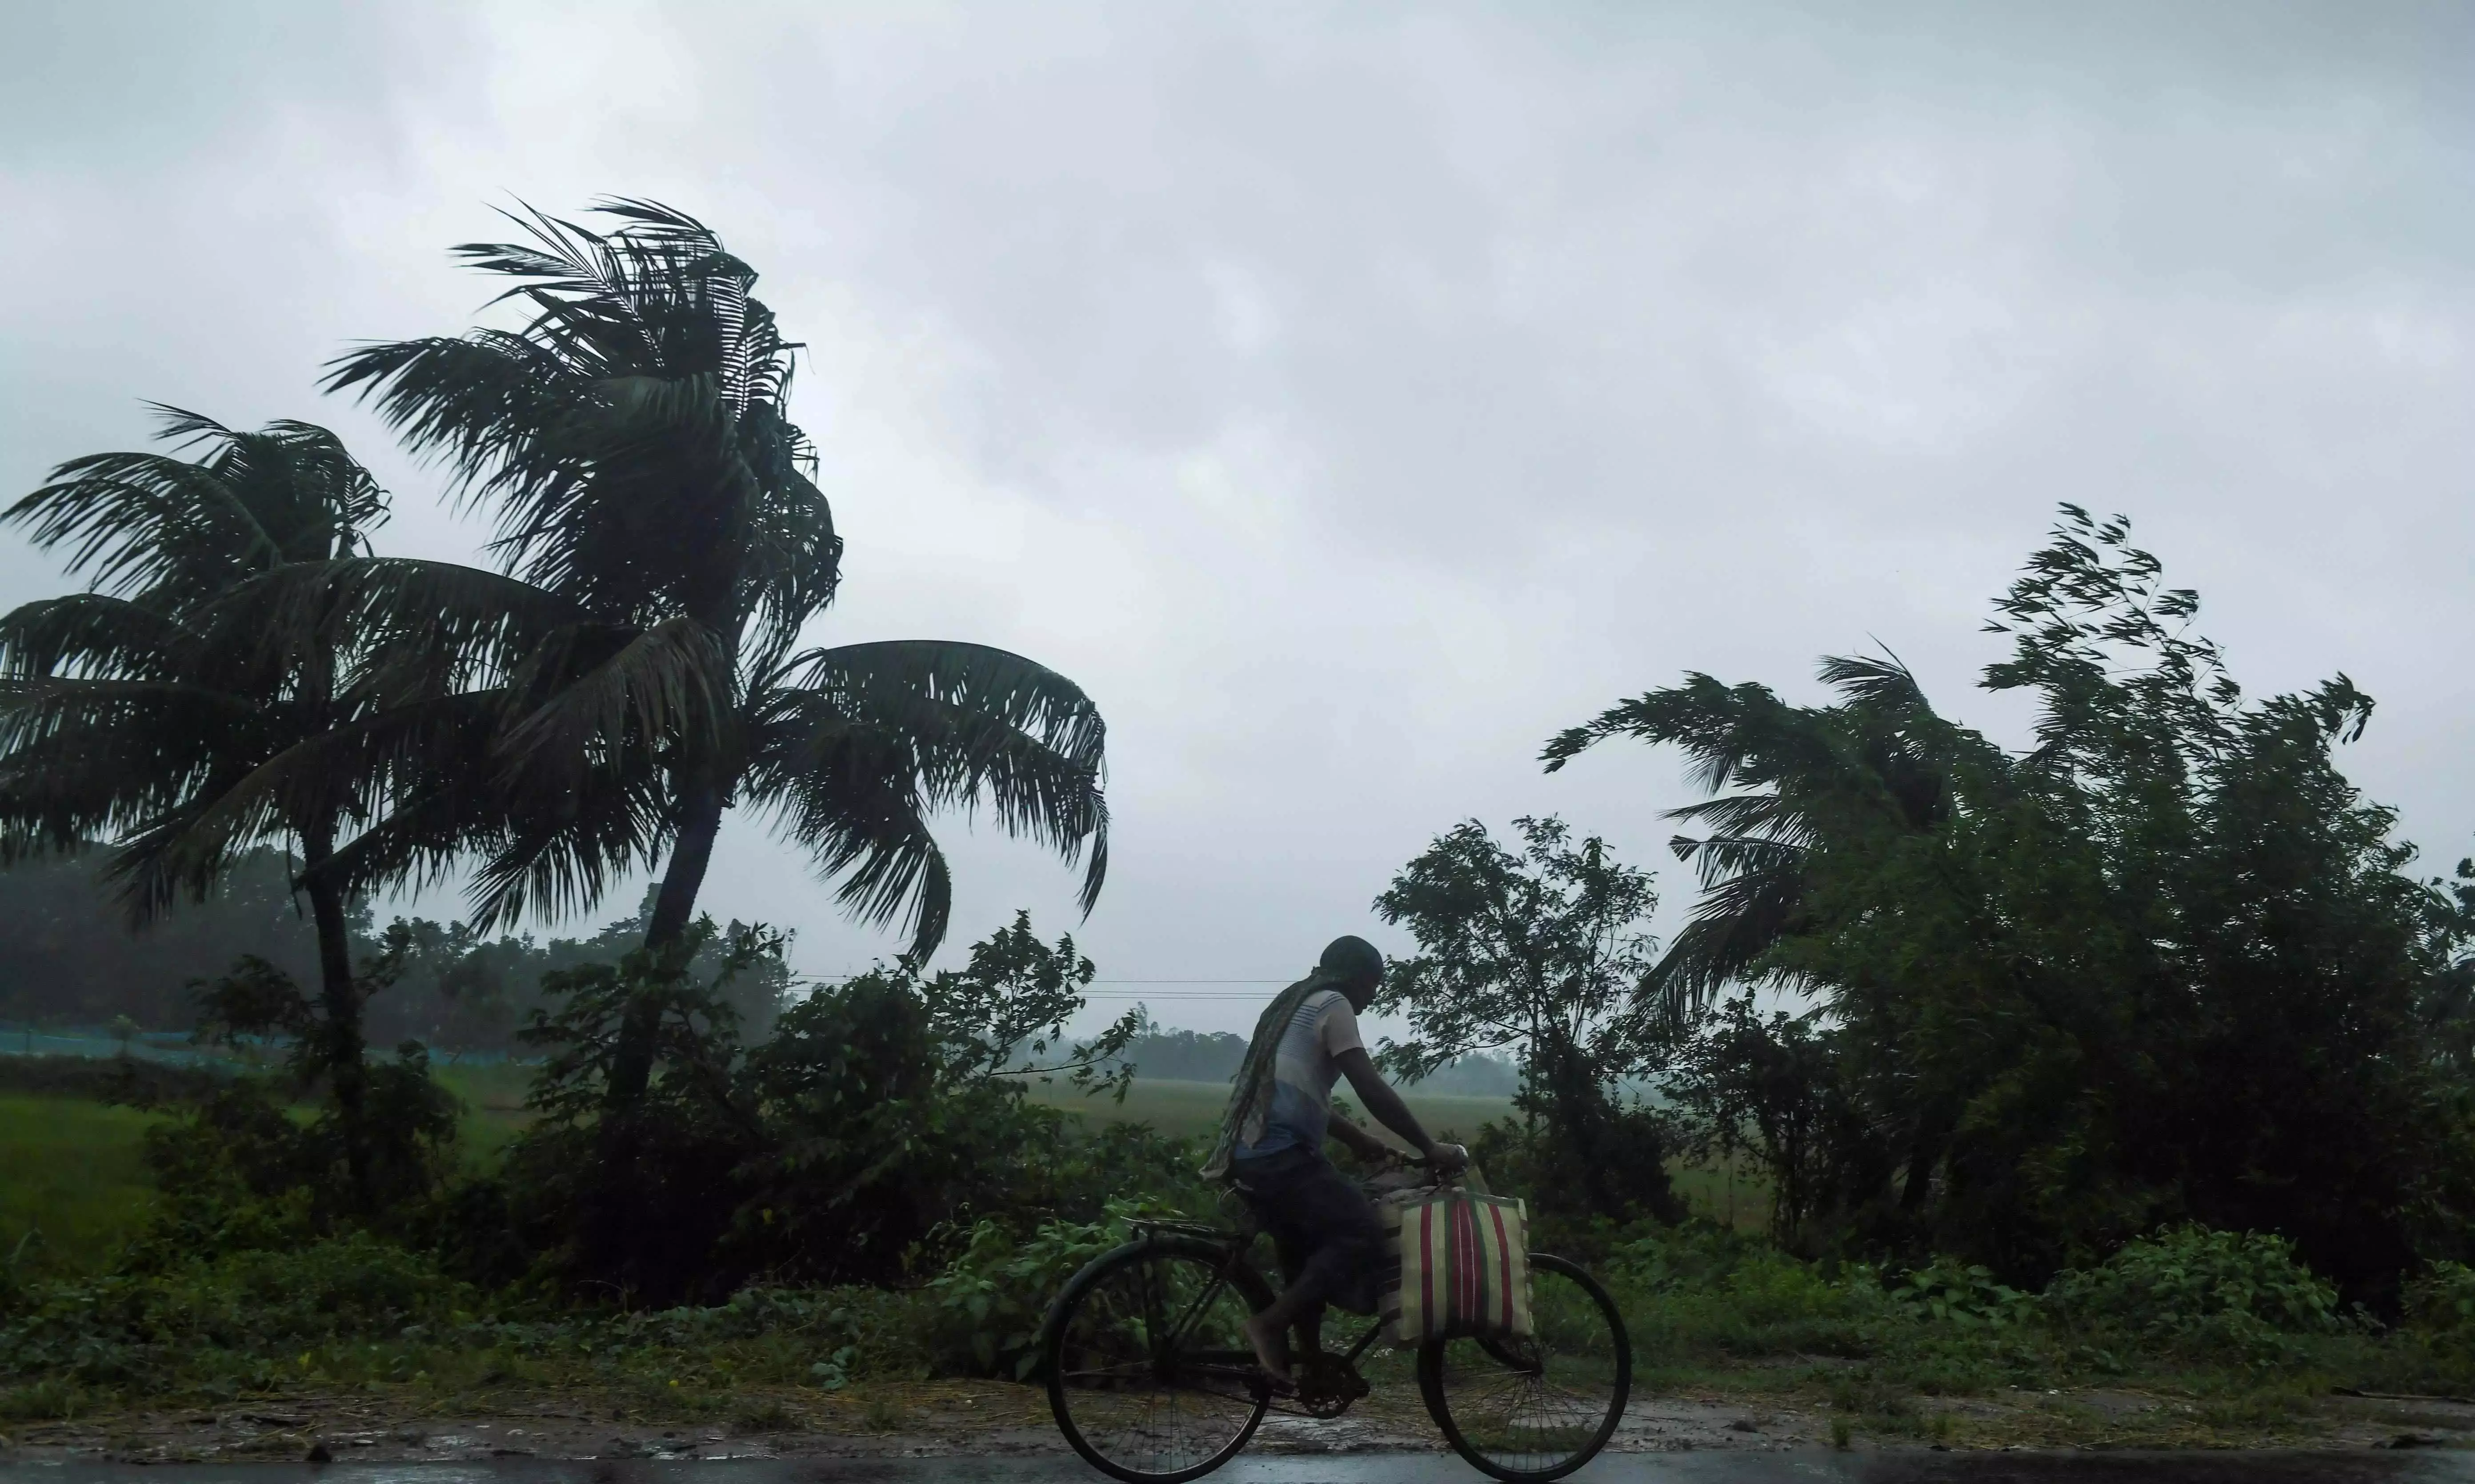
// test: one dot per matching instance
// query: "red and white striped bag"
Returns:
(1459, 1266)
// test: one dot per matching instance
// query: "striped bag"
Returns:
(1459, 1266)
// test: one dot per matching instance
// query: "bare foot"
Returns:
(1272, 1342)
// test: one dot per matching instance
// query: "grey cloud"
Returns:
(1350, 397)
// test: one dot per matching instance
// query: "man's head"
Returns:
(1352, 967)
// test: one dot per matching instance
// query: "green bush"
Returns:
(2441, 1302)
(992, 1299)
(1964, 1296)
(252, 1302)
(1701, 1289)
(2242, 1292)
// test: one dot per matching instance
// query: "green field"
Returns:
(73, 1170)
(74, 1177)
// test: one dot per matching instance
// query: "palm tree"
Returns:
(157, 709)
(1881, 757)
(663, 546)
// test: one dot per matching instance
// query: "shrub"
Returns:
(126, 1327)
(1703, 1288)
(2189, 1286)
(992, 1299)
(858, 1143)
(2441, 1302)
(1964, 1296)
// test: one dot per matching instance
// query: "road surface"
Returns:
(1793, 1465)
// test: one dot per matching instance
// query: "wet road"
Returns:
(1800, 1466)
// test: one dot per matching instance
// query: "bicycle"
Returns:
(1152, 1381)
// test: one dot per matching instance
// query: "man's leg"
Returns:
(1325, 1225)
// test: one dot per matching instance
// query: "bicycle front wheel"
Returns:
(1538, 1408)
(1150, 1377)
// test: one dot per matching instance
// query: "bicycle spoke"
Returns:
(1147, 1376)
(1539, 1407)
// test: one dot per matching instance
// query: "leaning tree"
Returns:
(160, 712)
(663, 551)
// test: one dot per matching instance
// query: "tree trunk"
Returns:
(631, 1061)
(339, 1002)
(1924, 1153)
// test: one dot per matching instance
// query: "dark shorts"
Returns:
(1328, 1236)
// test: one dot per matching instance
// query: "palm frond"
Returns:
(1741, 916)
(671, 683)
(93, 634)
(858, 811)
(134, 521)
(974, 724)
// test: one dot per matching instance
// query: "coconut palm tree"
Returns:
(1881, 757)
(663, 546)
(151, 710)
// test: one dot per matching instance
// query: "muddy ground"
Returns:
(944, 1418)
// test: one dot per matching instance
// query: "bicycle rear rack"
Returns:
(1154, 1225)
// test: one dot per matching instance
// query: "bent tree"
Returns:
(664, 549)
(2166, 963)
(154, 710)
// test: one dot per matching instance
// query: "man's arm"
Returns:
(1381, 1101)
(1362, 1144)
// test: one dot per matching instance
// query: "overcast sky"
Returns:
(1349, 397)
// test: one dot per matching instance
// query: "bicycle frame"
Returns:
(1240, 1365)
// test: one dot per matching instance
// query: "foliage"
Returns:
(2441, 1302)
(1963, 1295)
(1542, 953)
(147, 707)
(391, 1138)
(2238, 1291)
(360, 1310)
(993, 1296)
(171, 710)
(837, 1150)
(2166, 965)
(1697, 1288)
(1775, 1086)
(1003, 1011)
(237, 1171)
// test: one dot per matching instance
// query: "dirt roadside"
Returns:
(947, 1419)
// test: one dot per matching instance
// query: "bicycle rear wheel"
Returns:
(1538, 1408)
(1150, 1377)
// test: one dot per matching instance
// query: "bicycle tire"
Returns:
(1060, 1331)
(1432, 1383)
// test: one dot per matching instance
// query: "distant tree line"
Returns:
(74, 959)
(70, 957)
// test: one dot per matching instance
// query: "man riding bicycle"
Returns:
(1271, 1148)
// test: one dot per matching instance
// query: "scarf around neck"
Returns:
(1254, 1081)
